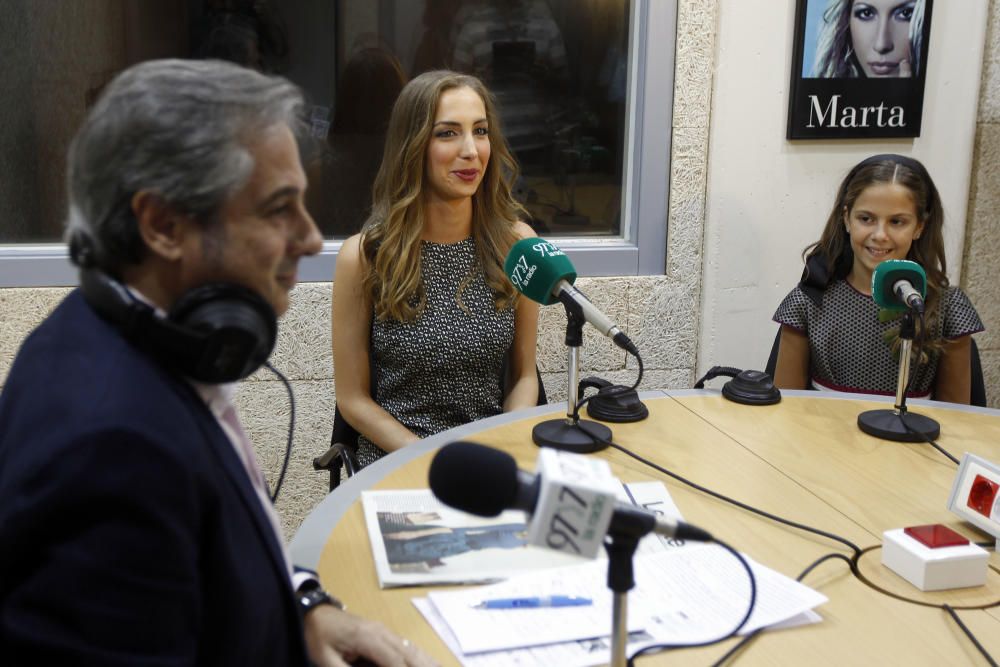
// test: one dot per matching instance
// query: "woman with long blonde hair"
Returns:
(424, 319)
(870, 39)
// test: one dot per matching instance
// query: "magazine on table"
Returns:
(418, 541)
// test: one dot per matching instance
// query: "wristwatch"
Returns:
(310, 596)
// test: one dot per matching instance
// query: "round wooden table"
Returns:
(803, 459)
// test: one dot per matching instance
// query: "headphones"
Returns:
(214, 333)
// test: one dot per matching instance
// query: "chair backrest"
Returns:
(542, 398)
(772, 358)
(978, 394)
(343, 432)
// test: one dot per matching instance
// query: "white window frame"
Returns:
(639, 250)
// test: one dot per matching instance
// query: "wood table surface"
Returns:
(803, 459)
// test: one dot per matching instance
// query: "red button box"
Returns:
(936, 536)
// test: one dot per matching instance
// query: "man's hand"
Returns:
(335, 638)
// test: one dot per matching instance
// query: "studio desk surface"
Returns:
(803, 459)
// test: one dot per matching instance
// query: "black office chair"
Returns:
(344, 440)
(772, 358)
(977, 396)
(341, 454)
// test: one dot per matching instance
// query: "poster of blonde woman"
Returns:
(858, 68)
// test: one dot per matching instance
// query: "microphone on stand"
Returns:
(572, 506)
(484, 481)
(541, 271)
(900, 285)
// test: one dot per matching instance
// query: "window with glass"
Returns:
(569, 78)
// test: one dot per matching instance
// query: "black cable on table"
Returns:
(852, 561)
(611, 392)
(746, 617)
(930, 441)
(968, 633)
(909, 384)
(753, 635)
(715, 494)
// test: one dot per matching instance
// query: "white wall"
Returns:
(768, 198)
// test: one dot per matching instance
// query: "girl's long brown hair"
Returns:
(834, 251)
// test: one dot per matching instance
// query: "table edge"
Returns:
(310, 538)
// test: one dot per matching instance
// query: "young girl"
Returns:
(831, 334)
(422, 289)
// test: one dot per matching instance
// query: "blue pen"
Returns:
(535, 602)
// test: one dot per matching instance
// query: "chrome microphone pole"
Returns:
(897, 424)
(621, 542)
(573, 367)
(570, 433)
(903, 379)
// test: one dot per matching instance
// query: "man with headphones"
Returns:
(135, 522)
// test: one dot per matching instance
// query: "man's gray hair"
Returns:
(176, 128)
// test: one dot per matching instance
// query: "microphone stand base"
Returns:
(888, 425)
(556, 433)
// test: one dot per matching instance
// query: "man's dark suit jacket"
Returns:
(129, 531)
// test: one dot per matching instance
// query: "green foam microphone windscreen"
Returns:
(888, 273)
(535, 266)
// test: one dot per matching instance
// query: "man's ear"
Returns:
(161, 226)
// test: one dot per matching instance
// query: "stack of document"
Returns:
(416, 540)
(682, 596)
